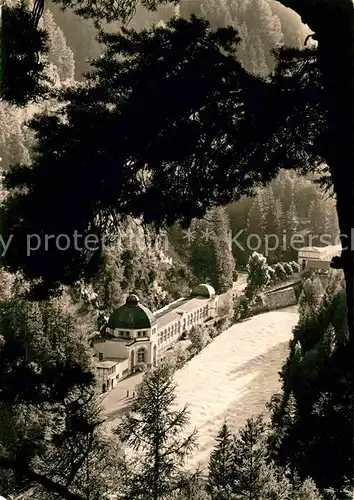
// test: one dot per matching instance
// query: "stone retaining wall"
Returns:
(280, 298)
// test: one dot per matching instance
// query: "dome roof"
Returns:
(203, 290)
(131, 316)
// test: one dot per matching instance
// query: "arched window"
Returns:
(141, 355)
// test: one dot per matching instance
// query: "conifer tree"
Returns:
(255, 221)
(317, 216)
(273, 214)
(49, 430)
(290, 227)
(60, 54)
(287, 190)
(153, 432)
(225, 263)
(304, 490)
(220, 466)
(310, 297)
(252, 475)
(211, 255)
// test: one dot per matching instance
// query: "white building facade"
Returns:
(136, 337)
(317, 257)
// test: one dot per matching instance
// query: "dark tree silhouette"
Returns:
(332, 22)
(175, 104)
(23, 45)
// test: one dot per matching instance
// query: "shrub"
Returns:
(288, 269)
(272, 275)
(279, 271)
(199, 338)
(181, 358)
(295, 266)
(258, 276)
(242, 309)
(213, 332)
(298, 290)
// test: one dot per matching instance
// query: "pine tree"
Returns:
(60, 54)
(255, 221)
(293, 29)
(286, 190)
(224, 260)
(311, 295)
(152, 431)
(317, 216)
(305, 490)
(211, 258)
(273, 224)
(252, 477)
(328, 342)
(290, 227)
(220, 466)
(332, 227)
(50, 421)
(13, 142)
(202, 251)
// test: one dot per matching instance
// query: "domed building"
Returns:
(131, 316)
(204, 290)
(138, 337)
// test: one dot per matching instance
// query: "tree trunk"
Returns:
(333, 24)
(337, 63)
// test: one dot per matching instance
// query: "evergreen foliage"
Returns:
(130, 187)
(210, 251)
(23, 46)
(240, 468)
(152, 430)
(315, 412)
(287, 226)
(50, 439)
(220, 466)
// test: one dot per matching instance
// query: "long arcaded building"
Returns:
(137, 337)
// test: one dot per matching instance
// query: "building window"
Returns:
(141, 355)
(100, 356)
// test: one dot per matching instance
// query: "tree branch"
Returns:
(44, 481)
